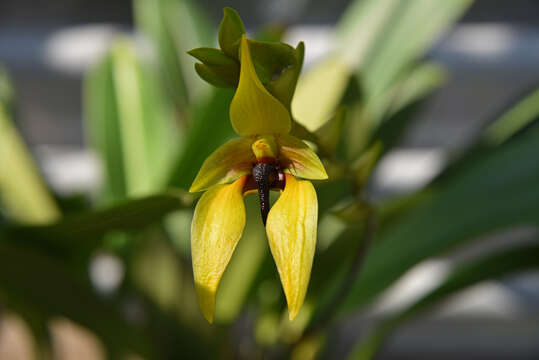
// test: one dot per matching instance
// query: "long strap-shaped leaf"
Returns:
(174, 27)
(84, 231)
(39, 286)
(129, 123)
(495, 190)
(23, 192)
(378, 40)
(493, 266)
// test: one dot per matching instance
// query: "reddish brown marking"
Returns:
(266, 160)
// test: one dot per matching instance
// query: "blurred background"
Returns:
(491, 56)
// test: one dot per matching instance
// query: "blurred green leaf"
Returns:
(394, 110)
(410, 30)
(210, 129)
(23, 193)
(311, 107)
(331, 192)
(495, 190)
(492, 266)
(129, 122)
(393, 35)
(360, 27)
(513, 120)
(42, 287)
(365, 164)
(416, 85)
(230, 31)
(6, 91)
(271, 32)
(31, 280)
(103, 128)
(85, 231)
(330, 134)
(338, 257)
(174, 27)
(411, 87)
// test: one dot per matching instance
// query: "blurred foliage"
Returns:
(152, 122)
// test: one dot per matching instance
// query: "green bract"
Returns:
(277, 65)
(230, 32)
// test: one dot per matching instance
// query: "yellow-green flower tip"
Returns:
(254, 110)
(291, 230)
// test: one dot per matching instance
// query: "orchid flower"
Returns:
(265, 158)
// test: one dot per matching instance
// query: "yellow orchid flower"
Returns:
(265, 158)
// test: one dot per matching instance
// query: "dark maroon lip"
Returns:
(265, 176)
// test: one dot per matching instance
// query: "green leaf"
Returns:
(6, 91)
(330, 134)
(23, 193)
(174, 27)
(412, 86)
(210, 129)
(43, 286)
(512, 121)
(378, 39)
(394, 111)
(103, 128)
(85, 231)
(489, 267)
(410, 29)
(521, 115)
(365, 164)
(495, 190)
(230, 31)
(368, 18)
(128, 122)
(386, 61)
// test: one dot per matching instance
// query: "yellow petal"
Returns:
(291, 230)
(216, 228)
(253, 109)
(299, 160)
(230, 161)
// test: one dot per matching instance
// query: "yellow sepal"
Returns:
(299, 160)
(253, 109)
(291, 230)
(217, 226)
(230, 161)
